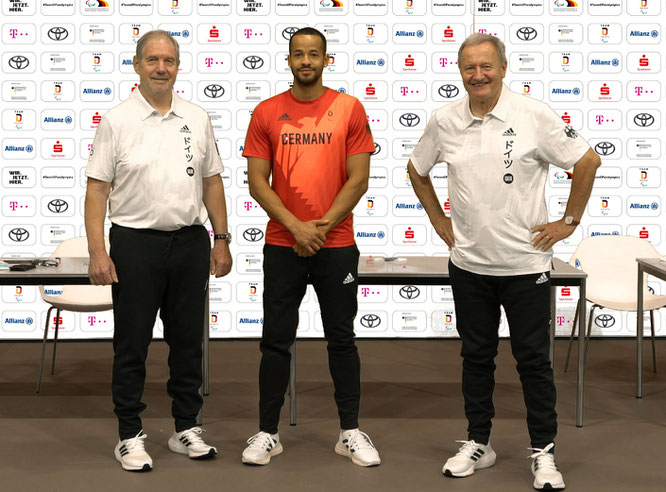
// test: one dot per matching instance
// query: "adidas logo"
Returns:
(509, 133)
(285, 117)
(185, 129)
(349, 279)
(543, 278)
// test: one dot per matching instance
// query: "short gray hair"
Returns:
(157, 33)
(478, 38)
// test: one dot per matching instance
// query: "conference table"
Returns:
(434, 270)
(657, 268)
(411, 270)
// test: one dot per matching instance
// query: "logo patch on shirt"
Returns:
(285, 117)
(185, 129)
(509, 133)
(190, 171)
(508, 178)
(570, 132)
(542, 279)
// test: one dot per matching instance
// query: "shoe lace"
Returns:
(194, 435)
(468, 448)
(261, 440)
(136, 442)
(360, 440)
(544, 459)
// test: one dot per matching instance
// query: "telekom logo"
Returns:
(13, 33)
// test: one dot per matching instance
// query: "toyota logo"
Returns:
(644, 119)
(448, 91)
(371, 320)
(409, 292)
(288, 32)
(604, 148)
(378, 149)
(604, 321)
(526, 33)
(57, 206)
(253, 234)
(18, 234)
(57, 33)
(253, 62)
(19, 62)
(409, 119)
(214, 91)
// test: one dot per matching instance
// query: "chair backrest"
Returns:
(76, 246)
(610, 263)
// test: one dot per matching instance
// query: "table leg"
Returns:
(292, 385)
(582, 312)
(553, 291)
(206, 347)
(639, 335)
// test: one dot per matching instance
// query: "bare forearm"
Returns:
(426, 193)
(584, 173)
(345, 201)
(269, 200)
(213, 198)
(95, 212)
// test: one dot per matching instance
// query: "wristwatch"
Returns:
(225, 235)
(569, 220)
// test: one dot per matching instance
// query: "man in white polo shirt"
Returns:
(155, 161)
(497, 146)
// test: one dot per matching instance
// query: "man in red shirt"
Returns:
(316, 143)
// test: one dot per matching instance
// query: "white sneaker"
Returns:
(189, 442)
(132, 454)
(545, 471)
(358, 447)
(471, 456)
(262, 446)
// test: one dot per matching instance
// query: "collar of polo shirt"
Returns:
(147, 110)
(500, 111)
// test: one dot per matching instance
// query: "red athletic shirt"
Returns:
(308, 143)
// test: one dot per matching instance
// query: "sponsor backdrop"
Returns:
(66, 62)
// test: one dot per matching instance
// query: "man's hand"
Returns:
(551, 233)
(309, 236)
(444, 229)
(101, 270)
(220, 259)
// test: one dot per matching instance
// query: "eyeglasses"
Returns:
(46, 262)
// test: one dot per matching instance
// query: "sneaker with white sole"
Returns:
(471, 456)
(546, 474)
(261, 447)
(132, 454)
(189, 442)
(358, 447)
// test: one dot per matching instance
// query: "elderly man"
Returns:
(498, 145)
(154, 160)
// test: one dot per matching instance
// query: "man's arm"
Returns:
(213, 198)
(101, 269)
(309, 238)
(584, 172)
(428, 198)
(358, 173)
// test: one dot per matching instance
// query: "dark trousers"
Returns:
(167, 271)
(286, 276)
(527, 307)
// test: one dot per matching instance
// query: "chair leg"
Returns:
(654, 351)
(55, 340)
(46, 334)
(571, 338)
(589, 332)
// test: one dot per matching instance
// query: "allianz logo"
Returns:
(612, 233)
(256, 321)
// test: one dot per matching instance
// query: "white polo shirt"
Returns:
(155, 163)
(497, 170)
